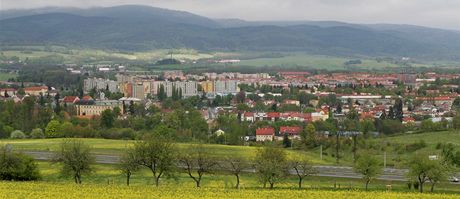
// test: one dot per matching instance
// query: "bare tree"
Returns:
(157, 154)
(303, 168)
(129, 163)
(235, 165)
(76, 159)
(197, 162)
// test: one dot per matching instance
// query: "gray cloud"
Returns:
(435, 13)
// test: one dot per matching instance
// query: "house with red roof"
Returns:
(86, 98)
(292, 131)
(70, 99)
(8, 91)
(265, 134)
(36, 90)
(408, 120)
(273, 116)
(248, 116)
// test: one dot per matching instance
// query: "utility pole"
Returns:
(385, 159)
(321, 152)
(337, 146)
(354, 147)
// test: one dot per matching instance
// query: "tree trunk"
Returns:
(75, 178)
(271, 185)
(197, 183)
(432, 186)
(367, 184)
(127, 179)
(300, 182)
(157, 181)
(237, 181)
(421, 187)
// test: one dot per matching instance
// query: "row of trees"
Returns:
(161, 156)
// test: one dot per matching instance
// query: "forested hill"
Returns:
(138, 28)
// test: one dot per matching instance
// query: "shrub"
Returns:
(17, 134)
(116, 133)
(5, 131)
(17, 166)
(37, 133)
(416, 146)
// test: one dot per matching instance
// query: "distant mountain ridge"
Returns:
(138, 28)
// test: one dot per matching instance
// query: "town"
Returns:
(418, 101)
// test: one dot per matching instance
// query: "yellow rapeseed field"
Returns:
(64, 190)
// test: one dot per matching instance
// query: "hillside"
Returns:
(141, 28)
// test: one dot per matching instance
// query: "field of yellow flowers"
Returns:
(67, 190)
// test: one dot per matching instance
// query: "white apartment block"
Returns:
(188, 88)
(100, 84)
(226, 86)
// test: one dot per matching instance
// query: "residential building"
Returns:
(36, 90)
(95, 108)
(292, 131)
(100, 84)
(265, 134)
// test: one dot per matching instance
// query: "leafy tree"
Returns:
(286, 141)
(456, 121)
(369, 167)
(17, 166)
(53, 130)
(157, 154)
(271, 165)
(57, 109)
(129, 163)
(107, 118)
(303, 168)
(422, 169)
(366, 127)
(76, 159)
(197, 162)
(437, 173)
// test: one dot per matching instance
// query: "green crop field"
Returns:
(110, 147)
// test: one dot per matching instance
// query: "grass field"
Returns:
(431, 138)
(255, 59)
(310, 61)
(6, 76)
(110, 147)
(91, 55)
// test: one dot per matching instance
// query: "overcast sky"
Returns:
(434, 13)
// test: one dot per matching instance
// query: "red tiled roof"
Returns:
(248, 114)
(440, 98)
(265, 131)
(273, 114)
(290, 129)
(7, 89)
(70, 99)
(36, 88)
(87, 97)
(408, 119)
